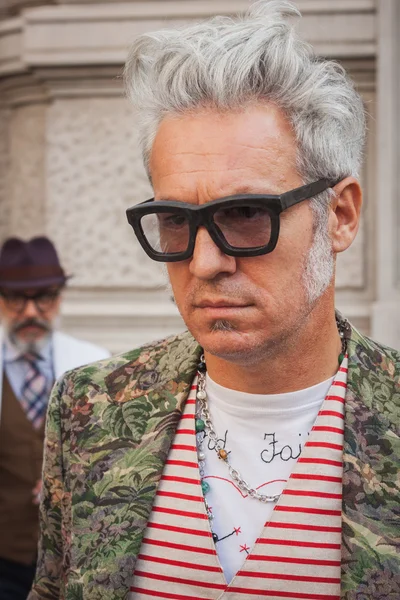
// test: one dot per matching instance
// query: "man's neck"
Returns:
(306, 360)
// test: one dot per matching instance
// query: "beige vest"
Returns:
(21, 454)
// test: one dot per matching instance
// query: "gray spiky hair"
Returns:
(226, 63)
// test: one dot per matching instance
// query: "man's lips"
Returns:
(222, 303)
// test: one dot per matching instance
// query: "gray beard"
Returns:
(30, 347)
(320, 264)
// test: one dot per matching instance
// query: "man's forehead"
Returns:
(253, 128)
(237, 152)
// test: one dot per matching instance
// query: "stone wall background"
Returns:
(70, 165)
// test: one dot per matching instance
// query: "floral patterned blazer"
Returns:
(110, 426)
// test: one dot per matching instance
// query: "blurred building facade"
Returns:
(70, 165)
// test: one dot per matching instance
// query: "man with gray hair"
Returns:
(257, 455)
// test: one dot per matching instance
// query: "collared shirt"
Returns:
(17, 368)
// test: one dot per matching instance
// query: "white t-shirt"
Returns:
(265, 435)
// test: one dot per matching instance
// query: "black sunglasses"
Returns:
(43, 300)
(240, 225)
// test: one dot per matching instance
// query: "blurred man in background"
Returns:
(33, 356)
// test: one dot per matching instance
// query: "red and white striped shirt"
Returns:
(297, 555)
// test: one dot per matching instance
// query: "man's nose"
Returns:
(30, 311)
(208, 261)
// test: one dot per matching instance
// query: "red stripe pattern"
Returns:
(297, 555)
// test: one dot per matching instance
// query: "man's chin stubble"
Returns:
(222, 325)
(236, 352)
(243, 353)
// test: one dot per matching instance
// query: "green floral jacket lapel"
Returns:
(109, 430)
(371, 491)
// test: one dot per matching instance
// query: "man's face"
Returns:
(236, 308)
(29, 315)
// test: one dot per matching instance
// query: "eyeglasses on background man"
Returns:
(42, 299)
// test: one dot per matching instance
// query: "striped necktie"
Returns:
(34, 391)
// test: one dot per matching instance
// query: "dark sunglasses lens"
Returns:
(46, 301)
(15, 302)
(244, 226)
(166, 232)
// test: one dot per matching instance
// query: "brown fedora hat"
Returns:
(30, 264)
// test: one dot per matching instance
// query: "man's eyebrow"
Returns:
(252, 189)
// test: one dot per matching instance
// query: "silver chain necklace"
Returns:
(241, 483)
(204, 423)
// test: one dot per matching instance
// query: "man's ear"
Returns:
(344, 215)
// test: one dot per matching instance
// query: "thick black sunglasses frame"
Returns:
(21, 300)
(202, 215)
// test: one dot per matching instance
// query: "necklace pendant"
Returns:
(222, 454)
(205, 487)
(199, 425)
